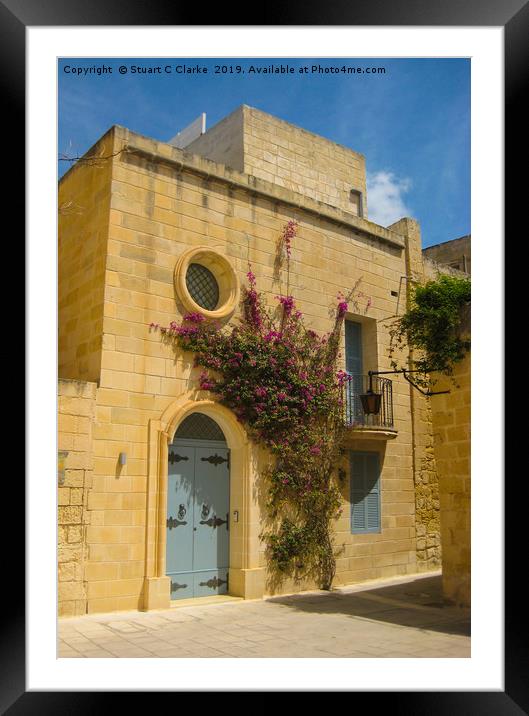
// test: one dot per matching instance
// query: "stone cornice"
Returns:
(182, 161)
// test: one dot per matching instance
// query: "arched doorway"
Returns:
(246, 572)
(198, 509)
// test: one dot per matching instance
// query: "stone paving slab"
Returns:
(400, 618)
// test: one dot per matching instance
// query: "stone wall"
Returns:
(455, 253)
(76, 408)
(224, 142)
(288, 156)
(427, 504)
(451, 425)
(83, 231)
(162, 202)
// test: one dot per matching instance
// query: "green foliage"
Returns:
(431, 324)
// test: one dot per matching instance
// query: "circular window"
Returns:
(202, 286)
(205, 282)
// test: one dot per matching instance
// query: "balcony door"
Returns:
(354, 368)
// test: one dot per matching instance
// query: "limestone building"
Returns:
(159, 486)
(455, 253)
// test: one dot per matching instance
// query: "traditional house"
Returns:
(160, 495)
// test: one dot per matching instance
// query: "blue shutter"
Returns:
(358, 518)
(365, 492)
(372, 492)
(353, 348)
(353, 366)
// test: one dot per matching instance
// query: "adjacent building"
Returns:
(160, 489)
(454, 253)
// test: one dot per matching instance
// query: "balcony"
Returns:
(380, 426)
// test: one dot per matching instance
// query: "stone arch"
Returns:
(246, 575)
(176, 413)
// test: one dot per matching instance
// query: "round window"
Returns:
(205, 281)
(202, 286)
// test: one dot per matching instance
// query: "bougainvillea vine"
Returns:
(282, 382)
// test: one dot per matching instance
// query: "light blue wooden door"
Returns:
(353, 366)
(179, 526)
(211, 535)
(198, 518)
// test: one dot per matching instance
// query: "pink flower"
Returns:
(342, 377)
(251, 278)
(194, 318)
(288, 234)
(204, 381)
(287, 302)
(252, 308)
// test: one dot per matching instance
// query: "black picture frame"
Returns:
(513, 16)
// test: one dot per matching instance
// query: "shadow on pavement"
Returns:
(418, 604)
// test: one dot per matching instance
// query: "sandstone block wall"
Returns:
(426, 484)
(162, 201)
(288, 156)
(83, 233)
(76, 408)
(451, 426)
(455, 253)
(224, 142)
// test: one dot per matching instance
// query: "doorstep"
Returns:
(203, 601)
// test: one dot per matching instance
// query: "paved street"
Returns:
(397, 618)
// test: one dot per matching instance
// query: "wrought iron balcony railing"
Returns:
(358, 385)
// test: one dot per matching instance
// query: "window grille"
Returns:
(202, 286)
(198, 426)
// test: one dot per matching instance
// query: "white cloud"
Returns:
(385, 197)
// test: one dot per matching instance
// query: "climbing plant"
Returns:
(431, 324)
(282, 381)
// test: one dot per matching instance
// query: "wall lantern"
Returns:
(371, 401)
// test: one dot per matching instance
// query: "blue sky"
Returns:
(412, 123)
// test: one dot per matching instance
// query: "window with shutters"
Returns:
(353, 367)
(365, 491)
(361, 356)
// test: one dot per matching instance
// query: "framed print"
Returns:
(135, 478)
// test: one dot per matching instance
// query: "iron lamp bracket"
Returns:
(404, 372)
